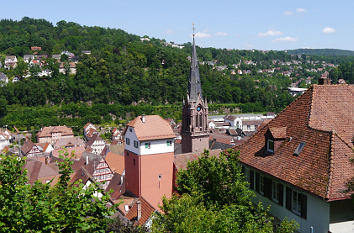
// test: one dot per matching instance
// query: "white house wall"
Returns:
(132, 137)
(156, 147)
(317, 211)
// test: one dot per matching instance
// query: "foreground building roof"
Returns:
(322, 121)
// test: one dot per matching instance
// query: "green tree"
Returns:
(42, 208)
(3, 107)
(214, 197)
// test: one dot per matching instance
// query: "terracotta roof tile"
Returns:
(115, 162)
(278, 132)
(323, 166)
(47, 131)
(154, 127)
(181, 160)
(146, 211)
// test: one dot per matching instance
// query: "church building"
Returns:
(195, 136)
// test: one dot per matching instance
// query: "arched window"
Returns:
(200, 120)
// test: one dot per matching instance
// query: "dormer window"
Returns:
(270, 145)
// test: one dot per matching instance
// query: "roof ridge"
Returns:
(331, 167)
(346, 143)
(286, 108)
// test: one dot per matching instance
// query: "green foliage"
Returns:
(343, 71)
(117, 225)
(3, 107)
(42, 208)
(214, 197)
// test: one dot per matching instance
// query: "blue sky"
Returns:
(246, 24)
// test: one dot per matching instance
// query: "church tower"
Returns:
(195, 136)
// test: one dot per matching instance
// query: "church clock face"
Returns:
(199, 108)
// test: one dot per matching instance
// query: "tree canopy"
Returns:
(63, 207)
(213, 196)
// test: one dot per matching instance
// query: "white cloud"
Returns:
(221, 34)
(169, 32)
(328, 30)
(300, 10)
(270, 33)
(286, 38)
(287, 13)
(202, 35)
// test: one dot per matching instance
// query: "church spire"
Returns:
(194, 85)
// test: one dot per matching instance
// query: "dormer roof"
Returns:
(278, 132)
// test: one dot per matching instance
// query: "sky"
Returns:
(246, 24)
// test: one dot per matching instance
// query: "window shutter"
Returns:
(257, 181)
(267, 187)
(288, 198)
(280, 194)
(303, 201)
(251, 179)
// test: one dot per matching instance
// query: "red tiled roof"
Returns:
(181, 160)
(47, 131)
(154, 127)
(115, 162)
(278, 132)
(323, 118)
(146, 211)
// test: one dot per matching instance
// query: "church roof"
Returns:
(194, 84)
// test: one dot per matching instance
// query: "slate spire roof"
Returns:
(194, 85)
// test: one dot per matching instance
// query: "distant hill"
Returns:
(321, 52)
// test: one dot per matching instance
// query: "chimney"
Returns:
(139, 209)
(46, 160)
(324, 80)
(143, 118)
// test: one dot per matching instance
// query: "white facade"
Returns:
(321, 216)
(147, 147)
(98, 146)
(4, 141)
(237, 122)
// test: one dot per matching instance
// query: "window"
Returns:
(296, 202)
(169, 143)
(147, 145)
(127, 141)
(277, 192)
(270, 145)
(136, 144)
(299, 148)
(134, 162)
(251, 179)
(248, 127)
(130, 130)
(259, 183)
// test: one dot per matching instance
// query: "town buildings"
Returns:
(299, 162)
(52, 134)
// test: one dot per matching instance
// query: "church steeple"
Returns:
(194, 85)
(195, 136)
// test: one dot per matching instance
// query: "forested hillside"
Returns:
(124, 70)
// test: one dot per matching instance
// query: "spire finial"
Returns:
(193, 28)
